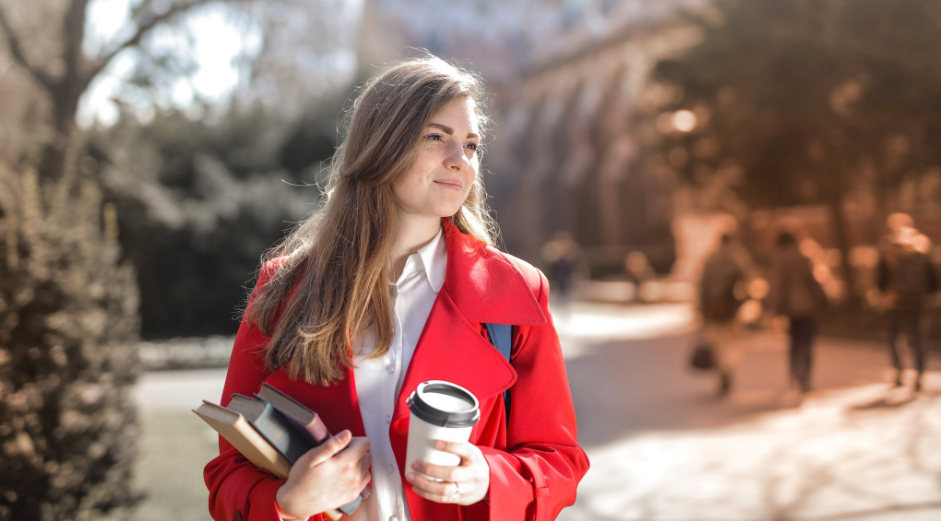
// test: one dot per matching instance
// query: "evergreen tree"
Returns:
(68, 354)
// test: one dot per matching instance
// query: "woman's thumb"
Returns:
(331, 447)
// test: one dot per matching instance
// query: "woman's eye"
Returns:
(472, 146)
(435, 137)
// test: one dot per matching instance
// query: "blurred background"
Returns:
(152, 150)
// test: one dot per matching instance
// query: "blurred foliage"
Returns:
(199, 202)
(68, 354)
(797, 101)
(793, 90)
(199, 196)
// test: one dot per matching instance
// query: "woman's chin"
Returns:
(447, 210)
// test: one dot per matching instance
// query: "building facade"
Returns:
(568, 81)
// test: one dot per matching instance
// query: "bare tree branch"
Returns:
(13, 42)
(73, 31)
(142, 30)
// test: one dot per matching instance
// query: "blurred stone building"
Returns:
(567, 79)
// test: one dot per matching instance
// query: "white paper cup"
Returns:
(440, 410)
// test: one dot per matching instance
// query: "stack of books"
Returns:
(271, 430)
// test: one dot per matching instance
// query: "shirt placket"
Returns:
(394, 368)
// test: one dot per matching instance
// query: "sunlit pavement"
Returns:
(663, 447)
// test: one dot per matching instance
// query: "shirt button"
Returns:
(388, 419)
(390, 469)
(391, 368)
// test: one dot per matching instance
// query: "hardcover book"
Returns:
(306, 421)
(272, 426)
(240, 434)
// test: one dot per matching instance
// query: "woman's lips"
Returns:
(450, 184)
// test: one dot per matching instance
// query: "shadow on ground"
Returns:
(624, 388)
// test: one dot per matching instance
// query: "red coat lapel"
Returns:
(484, 285)
(481, 286)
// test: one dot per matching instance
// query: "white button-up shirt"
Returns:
(379, 381)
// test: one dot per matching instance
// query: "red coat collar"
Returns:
(484, 284)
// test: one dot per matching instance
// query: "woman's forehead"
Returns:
(458, 114)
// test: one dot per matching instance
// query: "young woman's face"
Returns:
(437, 182)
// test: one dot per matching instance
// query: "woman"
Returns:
(388, 285)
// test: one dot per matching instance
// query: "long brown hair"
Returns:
(333, 283)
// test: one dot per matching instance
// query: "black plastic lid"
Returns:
(420, 407)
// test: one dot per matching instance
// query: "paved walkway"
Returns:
(664, 448)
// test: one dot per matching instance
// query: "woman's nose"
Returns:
(456, 158)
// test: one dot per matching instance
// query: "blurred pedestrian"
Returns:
(907, 282)
(564, 257)
(638, 270)
(721, 293)
(796, 294)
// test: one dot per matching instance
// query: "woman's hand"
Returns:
(466, 484)
(326, 477)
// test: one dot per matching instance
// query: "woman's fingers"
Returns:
(328, 449)
(465, 450)
(431, 489)
(446, 473)
(364, 464)
(354, 454)
(433, 486)
(357, 447)
(464, 484)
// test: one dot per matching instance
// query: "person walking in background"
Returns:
(796, 294)
(721, 292)
(906, 281)
(638, 270)
(564, 257)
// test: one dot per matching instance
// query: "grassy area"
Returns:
(174, 448)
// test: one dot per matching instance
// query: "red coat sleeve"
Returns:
(238, 490)
(539, 474)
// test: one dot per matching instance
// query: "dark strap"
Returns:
(501, 337)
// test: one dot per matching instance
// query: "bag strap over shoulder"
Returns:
(501, 337)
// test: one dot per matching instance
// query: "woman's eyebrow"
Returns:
(449, 131)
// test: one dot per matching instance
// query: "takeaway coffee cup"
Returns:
(440, 411)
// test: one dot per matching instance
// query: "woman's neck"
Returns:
(413, 233)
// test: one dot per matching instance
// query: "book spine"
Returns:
(281, 434)
(316, 432)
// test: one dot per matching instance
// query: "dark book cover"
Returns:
(272, 426)
(306, 421)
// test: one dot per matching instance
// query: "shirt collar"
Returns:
(430, 260)
(434, 258)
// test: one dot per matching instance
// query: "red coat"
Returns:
(535, 465)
